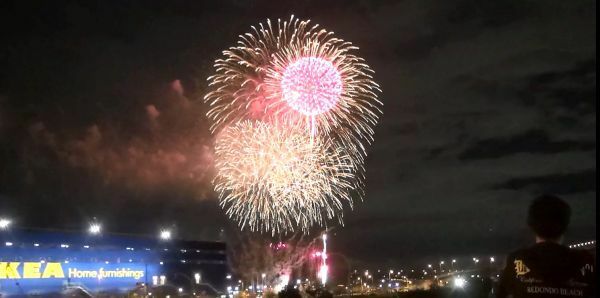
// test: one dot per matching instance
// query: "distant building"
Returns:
(34, 262)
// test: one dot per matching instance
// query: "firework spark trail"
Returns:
(270, 177)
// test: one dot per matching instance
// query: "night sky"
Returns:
(486, 104)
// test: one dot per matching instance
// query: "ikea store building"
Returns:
(48, 263)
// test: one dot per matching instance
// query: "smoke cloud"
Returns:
(168, 145)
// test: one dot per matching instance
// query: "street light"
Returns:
(95, 228)
(4, 223)
(492, 260)
(459, 282)
(165, 234)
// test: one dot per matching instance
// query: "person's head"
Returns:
(549, 217)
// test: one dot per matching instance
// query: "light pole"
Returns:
(453, 261)
(361, 285)
(441, 263)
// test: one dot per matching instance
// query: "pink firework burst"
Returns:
(294, 71)
(311, 85)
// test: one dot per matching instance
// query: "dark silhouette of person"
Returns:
(548, 268)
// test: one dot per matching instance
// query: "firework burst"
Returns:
(298, 72)
(292, 108)
(275, 177)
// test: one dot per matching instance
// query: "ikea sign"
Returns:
(41, 278)
(30, 270)
(72, 271)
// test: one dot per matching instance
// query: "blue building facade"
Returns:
(34, 262)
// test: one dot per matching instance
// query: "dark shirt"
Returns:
(548, 270)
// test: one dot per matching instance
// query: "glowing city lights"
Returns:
(583, 244)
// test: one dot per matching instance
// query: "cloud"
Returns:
(534, 141)
(564, 184)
